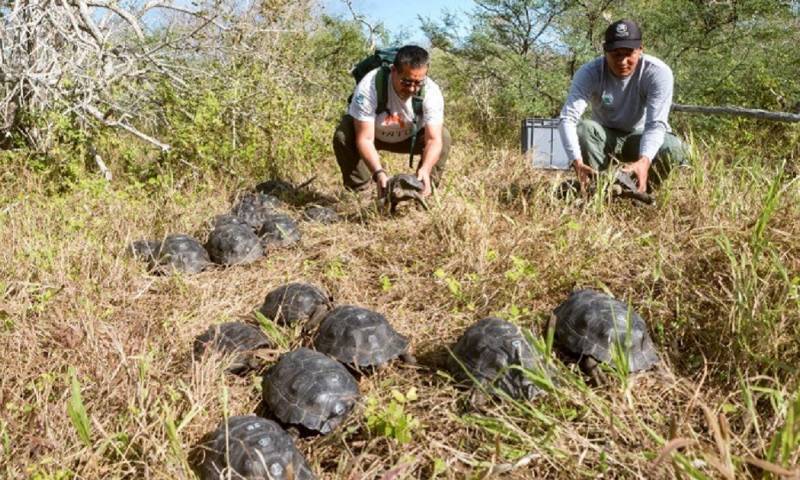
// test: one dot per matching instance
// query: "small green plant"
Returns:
(514, 313)
(521, 269)
(335, 269)
(57, 475)
(271, 330)
(786, 441)
(455, 287)
(393, 421)
(620, 348)
(386, 282)
(76, 410)
(439, 467)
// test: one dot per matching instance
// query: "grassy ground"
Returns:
(98, 381)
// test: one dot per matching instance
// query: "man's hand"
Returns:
(424, 176)
(381, 180)
(584, 173)
(640, 168)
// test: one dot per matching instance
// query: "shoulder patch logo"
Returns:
(360, 99)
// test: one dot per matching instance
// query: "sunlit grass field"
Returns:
(98, 378)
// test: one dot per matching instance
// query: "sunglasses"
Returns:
(407, 82)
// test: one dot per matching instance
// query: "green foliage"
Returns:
(271, 330)
(76, 410)
(392, 420)
(521, 269)
(59, 474)
(385, 282)
(519, 57)
(786, 441)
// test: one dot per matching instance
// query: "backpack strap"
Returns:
(382, 89)
(416, 106)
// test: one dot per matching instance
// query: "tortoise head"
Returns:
(404, 187)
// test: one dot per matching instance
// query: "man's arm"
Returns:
(658, 101)
(571, 113)
(430, 155)
(365, 143)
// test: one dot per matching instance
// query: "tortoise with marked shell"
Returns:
(251, 448)
(255, 208)
(359, 337)
(279, 230)
(237, 339)
(494, 352)
(309, 389)
(296, 302)
(177, 252)
(233, 242)
(590, 325)
(404, 187)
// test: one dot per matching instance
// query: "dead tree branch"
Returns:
(738, 112)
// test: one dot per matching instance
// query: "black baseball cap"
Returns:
(622, 34)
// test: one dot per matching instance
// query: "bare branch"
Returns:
(94, 112)
(362, 19)
(126, 15)
(88, 23)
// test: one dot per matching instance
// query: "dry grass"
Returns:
(716, 277)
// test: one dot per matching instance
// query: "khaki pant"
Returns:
(356, 174)
(598, 143)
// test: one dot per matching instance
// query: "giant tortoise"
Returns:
(177, 252)
(359, 338)
(309, 389)
(591, 326)
(296, 302)
(403, 187)
(249, 447)
(233, 242)
(494, 353)
(237, 339)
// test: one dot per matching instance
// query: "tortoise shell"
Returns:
(310, 389)
(233, 242)
(180, 253)
(249, 447)
(276, 187)
(146, 250)
(280, 230)
(359, 337)
(232, 338)
(294, 302)
(324, 215)
(255, 208)
(591, 323)
(492, 351)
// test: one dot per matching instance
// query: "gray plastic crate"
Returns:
(541, 144)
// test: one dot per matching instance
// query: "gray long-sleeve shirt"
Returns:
(641, 100)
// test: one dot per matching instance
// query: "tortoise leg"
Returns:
(479, 400)
(252, 362)
(420, 200)
(408, 358)
(591, 367)
(315, 319)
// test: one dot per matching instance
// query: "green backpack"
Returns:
(383, 58)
